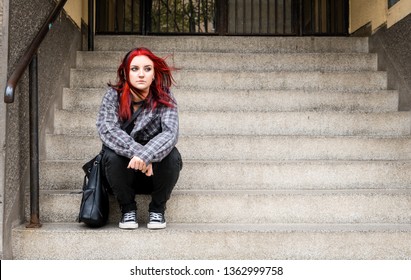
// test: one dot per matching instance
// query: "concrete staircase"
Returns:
(293, 148)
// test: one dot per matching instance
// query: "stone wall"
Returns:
(393, 46)
(56, 56)
(3, 67)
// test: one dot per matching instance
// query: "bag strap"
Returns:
(133, 117)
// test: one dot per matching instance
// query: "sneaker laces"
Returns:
(156, 216)
(129, 216)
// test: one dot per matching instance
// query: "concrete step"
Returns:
(214, 242)
(89, 99)
(252, 148)
(250, 62)
(295, 123)
(257, 175)
(294, 148)
(233, 44)
(270, 80)
(256, 207)
(261, 123)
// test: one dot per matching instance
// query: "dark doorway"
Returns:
(222, 17)
(324, 17)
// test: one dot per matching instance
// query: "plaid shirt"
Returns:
(154, 135)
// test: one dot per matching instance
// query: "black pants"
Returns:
(126, 183)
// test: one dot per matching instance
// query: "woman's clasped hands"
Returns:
(137, 163)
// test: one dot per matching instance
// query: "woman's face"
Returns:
(141, 73)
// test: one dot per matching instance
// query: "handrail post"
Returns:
(30, 58)
(91, 25)
(34, 145)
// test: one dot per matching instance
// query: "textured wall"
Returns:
(56, 57)
(3, 66)
(375, 13)
(363, 12)
(393, 46)
(1, 16)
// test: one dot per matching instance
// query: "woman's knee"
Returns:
(115, 166)
(110, 156)
(173, 160)
(169, 168)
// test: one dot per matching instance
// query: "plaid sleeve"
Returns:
(108, 127)
(162, 144)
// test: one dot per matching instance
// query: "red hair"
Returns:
(159, 88)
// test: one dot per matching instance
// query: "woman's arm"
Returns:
(108, 127)
(161, 145)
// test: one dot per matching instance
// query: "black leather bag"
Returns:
(94, 207)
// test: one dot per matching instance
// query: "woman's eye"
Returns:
(134, 68)
(148, 69)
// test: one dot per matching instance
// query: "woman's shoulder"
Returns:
(111, 93)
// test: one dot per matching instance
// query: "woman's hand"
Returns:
(149, 170)
(137, 163)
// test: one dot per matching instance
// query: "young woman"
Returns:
(138, 125)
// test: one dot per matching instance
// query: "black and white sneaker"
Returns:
(129, 220)
(157, 221)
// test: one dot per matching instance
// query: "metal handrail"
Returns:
(30, 52)
(29, 59)
(90, 37)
